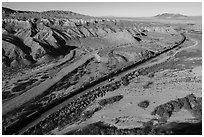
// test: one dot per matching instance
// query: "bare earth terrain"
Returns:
(67, 73)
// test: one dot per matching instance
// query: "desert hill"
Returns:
(18, 14)
(170, 15)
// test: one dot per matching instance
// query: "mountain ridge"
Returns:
(170, 15)
(11, 13)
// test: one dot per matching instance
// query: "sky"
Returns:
(119, 9)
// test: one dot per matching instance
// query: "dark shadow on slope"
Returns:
(100, 128)
(138, 39)
(63, 49)
(6, 60)
(61, 33)
(34, 29)
(143, 34)
(188, 129)
(20, 44)
(47, 47)
(123, 57)
(180, 129)
(53, 51)
(17, 42)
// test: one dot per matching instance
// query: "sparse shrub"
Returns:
(24, 18)
(144, 104)
(125, 81)
(110, 100)
(151, 75)
(148, 84)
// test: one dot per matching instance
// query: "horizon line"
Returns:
(102, 16)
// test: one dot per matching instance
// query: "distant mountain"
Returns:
(170, 15)
(10, 13)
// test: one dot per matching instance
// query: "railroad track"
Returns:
(27, 122)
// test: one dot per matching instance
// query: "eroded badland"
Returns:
(67, 73)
